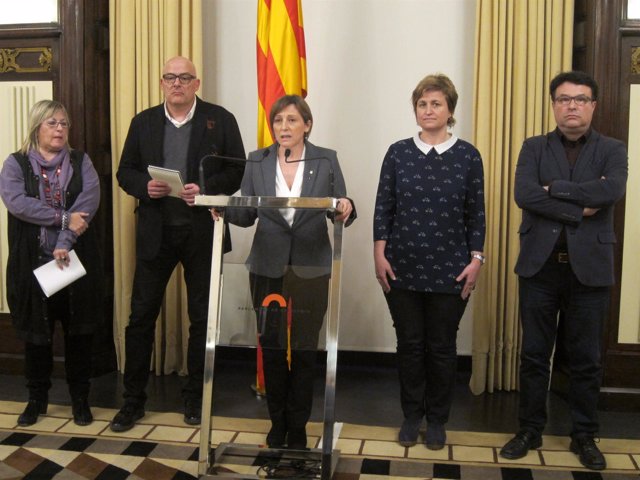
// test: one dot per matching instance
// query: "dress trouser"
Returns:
(149, 285)
(289, 390)
(554, 288)
(426, 327)
(77, 355)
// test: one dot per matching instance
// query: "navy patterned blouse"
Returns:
(430, 211)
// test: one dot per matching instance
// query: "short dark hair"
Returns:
(576, 77)
(297, 101)
(438, 83)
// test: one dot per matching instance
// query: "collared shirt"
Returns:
(440, 148)
(430, 211)
(573, 147)
(186, 119)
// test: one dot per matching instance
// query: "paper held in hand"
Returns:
(172, 177)
(52, 279)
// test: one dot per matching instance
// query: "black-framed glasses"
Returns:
(170, 78)
(580, 100)
(53, 123)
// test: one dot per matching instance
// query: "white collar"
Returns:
(440, 148)
(187, 119)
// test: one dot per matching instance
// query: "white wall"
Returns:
(364, 57)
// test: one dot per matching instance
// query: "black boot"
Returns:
(31, 412)
(81, 412)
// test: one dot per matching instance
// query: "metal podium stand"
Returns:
(327, 457)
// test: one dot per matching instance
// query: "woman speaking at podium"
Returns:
(290, 262)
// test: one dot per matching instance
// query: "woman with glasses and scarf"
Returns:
(52, 193)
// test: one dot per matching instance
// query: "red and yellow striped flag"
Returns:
(282, 63)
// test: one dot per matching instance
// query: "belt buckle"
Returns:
(563, 257)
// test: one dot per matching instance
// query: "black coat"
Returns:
(213, 130)
(598, 181)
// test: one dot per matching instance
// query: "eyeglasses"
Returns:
(565, 100)
(170, 78)
(53, 123)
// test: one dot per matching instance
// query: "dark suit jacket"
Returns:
(305, 244)
(598, 181)
(214, 130)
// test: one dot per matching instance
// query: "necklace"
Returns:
(55, 199)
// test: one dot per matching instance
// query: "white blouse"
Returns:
(283, 190)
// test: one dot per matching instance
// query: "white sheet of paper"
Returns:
(172, 177)
(52, 279)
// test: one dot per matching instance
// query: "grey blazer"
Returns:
(304, 246)
(598, 181)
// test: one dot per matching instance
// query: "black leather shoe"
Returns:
(126, 418)
(520, 445)
(435, 437)
(589, 454)
(193, 411)
(408, 435)
(31, 412)
(81, 412)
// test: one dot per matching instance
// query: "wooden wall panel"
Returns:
(603, 47)
(78, 67)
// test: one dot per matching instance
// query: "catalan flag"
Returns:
(282, 66)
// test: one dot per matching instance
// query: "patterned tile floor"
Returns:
(374, 449)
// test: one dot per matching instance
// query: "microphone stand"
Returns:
(223, 157)
(287, 153)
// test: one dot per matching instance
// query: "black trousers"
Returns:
(426, 327)
(77, 355)
(554, 288)
(149, 285)
(289, 391)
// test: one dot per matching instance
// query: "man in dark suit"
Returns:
(174, 135)
(567, 183)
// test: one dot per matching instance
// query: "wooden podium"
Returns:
(325, 458)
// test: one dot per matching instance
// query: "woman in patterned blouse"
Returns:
(429, 230)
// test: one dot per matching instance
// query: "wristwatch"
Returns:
(482, 258)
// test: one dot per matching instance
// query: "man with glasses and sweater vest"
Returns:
(176, 135)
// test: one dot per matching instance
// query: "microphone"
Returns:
(214, 154)
(235, 159)
(287, 152)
